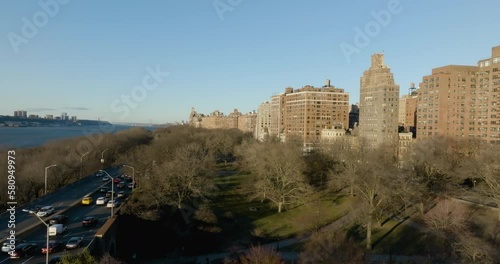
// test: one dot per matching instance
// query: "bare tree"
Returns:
(472, 248)
(331, 248)
(189, 175)
(373, 185)
(446, 222)
(278, 172)
(261, 255)
(221, 143)
(488, 171)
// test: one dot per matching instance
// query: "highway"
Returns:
(75, 214)
(61, 199)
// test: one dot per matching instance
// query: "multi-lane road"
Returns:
(63, 200)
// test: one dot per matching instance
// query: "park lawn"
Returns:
(404, 240)
(253, 219)
(398, 238)
(304, 218)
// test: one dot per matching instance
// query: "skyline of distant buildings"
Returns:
(455, 100)
(63, 117)
(460, 101)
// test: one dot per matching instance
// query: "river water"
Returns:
(27, 137)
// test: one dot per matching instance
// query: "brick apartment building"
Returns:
(379, 104)
(408, 110)
(243, 122)
(461, 101)
(263, 122)
(305, 112)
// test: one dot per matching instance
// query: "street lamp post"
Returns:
(112, 192)
(47, 225)
(81, 160)
(46, 168)
(102, 158)
(133, 175)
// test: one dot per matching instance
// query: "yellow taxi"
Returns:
(87, 200)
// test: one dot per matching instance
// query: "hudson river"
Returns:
(26, 137)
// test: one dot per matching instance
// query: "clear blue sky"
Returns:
(88, 54)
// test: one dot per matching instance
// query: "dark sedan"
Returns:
(59, 219)
(90, 221)
(23, 250)
(54, 246)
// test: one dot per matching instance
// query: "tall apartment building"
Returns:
(21, 113)
(263, 122)
(305, 112)
(461, 101)
(489, 80)
(379, 104)
(408, 110)
(277, 126)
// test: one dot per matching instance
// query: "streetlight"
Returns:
(112, 191)
(102, 158)
(133, 175)
(81, 160)
(53, 165)
(47, 225)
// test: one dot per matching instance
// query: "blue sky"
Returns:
(86, 57)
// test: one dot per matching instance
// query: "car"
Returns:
(74, 242)
(55, 260)
(116, 180)
(108, 194)
(105, 178)
(101, 201)
(23, 250)
(121, 185)
(131, 185)
(99, 174)
(90, 221)
(104, 189)
(10, 244)
(59, 219)
(112, 203)
(54, 246)
(45, 211)
(87, 200)
(120, 194)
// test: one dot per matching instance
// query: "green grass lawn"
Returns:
(243, 221)
(304, 218)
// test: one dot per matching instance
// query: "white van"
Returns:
(57, 229)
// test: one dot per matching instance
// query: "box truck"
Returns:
(57, 229)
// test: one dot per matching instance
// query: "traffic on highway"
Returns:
(71, 217)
